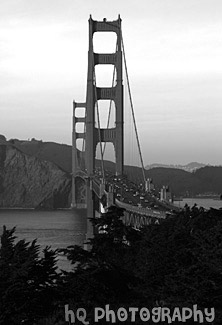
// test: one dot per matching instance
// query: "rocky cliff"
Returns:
(28, 182)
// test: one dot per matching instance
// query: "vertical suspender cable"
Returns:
(82, 161)
(99, 130)
(110, 105)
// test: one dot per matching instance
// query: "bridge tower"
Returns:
(93, 135)
(94, 94)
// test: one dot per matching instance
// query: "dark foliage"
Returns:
(27, 281)
(101, 276)
(177, 263)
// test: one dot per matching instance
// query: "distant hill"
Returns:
(191, 167)
(182, 183)
(211, 178)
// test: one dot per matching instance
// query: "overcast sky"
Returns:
(174, 59)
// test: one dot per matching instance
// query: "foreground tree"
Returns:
(101, 276)
(177, 263)
(27, 281)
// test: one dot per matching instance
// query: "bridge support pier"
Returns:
(110, 197)
(90, 214)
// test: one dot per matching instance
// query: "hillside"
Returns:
(182, 183)
(59, 154)
(211, 178)
(28, 182)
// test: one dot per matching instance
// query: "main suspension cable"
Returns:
(132, 109)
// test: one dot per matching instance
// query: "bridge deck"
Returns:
(141, 211)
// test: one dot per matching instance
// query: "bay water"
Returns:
(58, 229)
(62, 228)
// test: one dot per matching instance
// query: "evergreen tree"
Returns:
(177, 263)
(27, 281)
(101, 276)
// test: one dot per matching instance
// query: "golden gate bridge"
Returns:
(91, 184)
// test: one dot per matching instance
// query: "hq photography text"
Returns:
(146, 315)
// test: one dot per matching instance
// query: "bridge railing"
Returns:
(141, 211)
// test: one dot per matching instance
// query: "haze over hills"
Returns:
(188, 167)
(61, 155)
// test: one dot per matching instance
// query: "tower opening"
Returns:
(105, 75)
(80, 127)
(80, 112)
(80, 144)
(104, 42)
(108, 151)
(107, 114)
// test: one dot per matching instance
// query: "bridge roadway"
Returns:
(141, 211)
(131, 209)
